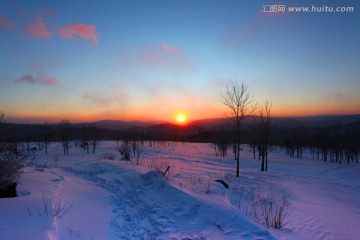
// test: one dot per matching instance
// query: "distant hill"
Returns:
(320, 121)
(121, 125)
(198, 130)
(285, 123)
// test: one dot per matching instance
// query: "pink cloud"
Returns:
(84, 31)
(39, 29)
(39, 78)
(49, 81)
(170, 49)
(6, 23)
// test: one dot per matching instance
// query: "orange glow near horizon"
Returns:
(166, 114)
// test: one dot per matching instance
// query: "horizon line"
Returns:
(36, 120)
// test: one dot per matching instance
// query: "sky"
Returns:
(153, 59)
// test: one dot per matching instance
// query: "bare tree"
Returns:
(27, 138)
(85, 137)
(139, 149)
(265, 128)
(125, 149)
(94, 136)
(65, 130)
(45, 135)
(240, 105)
(134, 145)
(220, 140)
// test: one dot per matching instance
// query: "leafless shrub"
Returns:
(201, 183)
(27, 208)
(156, 163)
(12, 162)
(56, 210)
(159, 164)
(280, 213)
(59, 209)
(267, 210)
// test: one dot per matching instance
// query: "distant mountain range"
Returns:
(198, 130)
(281, 123)
(120, 125)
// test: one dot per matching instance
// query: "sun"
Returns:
(181, 118)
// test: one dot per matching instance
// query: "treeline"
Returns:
(339, 143)
(336, 144)
(76, 131)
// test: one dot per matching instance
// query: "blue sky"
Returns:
(149, 60)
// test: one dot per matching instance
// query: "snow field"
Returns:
(113, 199)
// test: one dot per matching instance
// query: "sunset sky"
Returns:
(151, 60)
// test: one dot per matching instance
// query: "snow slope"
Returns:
(112, 199)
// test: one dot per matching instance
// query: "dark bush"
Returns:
(8, 190)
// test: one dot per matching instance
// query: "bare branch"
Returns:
(240, 104)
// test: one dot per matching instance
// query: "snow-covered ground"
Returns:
(84, 196)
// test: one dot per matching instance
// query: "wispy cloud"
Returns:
(158, 57)
(29, 78)
(84, 31)
(37, 76)
(97, 100)
(170, 49)
(6, 22)
(338, 97)
(39, 28)
(108, 99)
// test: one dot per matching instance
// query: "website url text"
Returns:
(307, 9)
